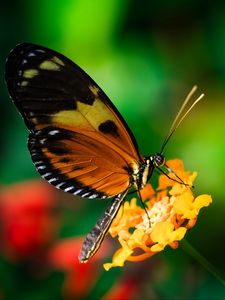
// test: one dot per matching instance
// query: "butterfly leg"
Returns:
(178, 180)
(96, 235)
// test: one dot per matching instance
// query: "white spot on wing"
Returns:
(93, 196)
(40, 50)
(68, 188)
(60, 184)
(38, 162)
(46, 174)
(31, 54)
(85, 194)
(52, 180)
(42, 141)
(53, 132)
(77, 191)
(41, 167)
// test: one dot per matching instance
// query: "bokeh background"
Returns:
(146, 55)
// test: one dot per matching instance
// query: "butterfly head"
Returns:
(146, 169)
(145, 172)
(158, 160)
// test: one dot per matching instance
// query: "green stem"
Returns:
(186, 246)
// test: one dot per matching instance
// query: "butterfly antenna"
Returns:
(181, 115)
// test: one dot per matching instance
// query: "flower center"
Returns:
(160, 211)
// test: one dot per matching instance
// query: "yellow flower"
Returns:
(172, 210)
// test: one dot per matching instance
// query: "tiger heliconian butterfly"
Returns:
(78, 140)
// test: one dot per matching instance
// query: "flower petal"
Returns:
(163, 234)
(119, 257)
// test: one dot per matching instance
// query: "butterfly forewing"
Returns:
(78, 140)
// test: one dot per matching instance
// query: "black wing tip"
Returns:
(21, 47)
(15, 62)
(18, 50)
(20, 53)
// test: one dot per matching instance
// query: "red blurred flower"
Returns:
(28, 221)
(80, 278)
(124, 289)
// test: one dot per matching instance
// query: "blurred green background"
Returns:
(146, 56)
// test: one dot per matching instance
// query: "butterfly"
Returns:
(78, 140)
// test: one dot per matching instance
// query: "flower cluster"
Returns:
(171, 209)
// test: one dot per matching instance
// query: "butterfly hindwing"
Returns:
(79, 142)
(77, 163)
